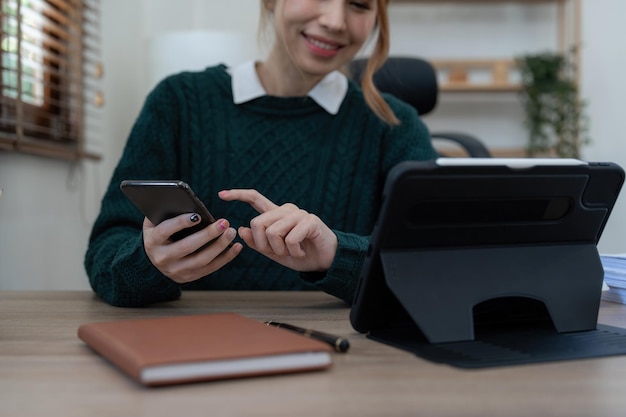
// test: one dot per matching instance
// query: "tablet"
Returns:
(436, 215)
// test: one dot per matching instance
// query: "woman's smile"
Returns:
(321, 46)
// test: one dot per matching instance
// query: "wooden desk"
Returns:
(45, 370)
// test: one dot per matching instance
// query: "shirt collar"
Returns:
(328, 93)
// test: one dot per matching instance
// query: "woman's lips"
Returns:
(322, 47)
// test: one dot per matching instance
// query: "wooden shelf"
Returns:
(453, 152)
(497, 75)
(479, 88)
(459, 75)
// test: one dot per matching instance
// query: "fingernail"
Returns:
(231, 233)
(194, 218)
(223, 224)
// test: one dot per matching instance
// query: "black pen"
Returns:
(340, 344)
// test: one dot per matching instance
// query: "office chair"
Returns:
(414, 81)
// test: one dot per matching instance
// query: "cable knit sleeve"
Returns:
(118, 268)
(408, 141)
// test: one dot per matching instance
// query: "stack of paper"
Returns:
(614, 277)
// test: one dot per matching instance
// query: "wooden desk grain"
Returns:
(45, 370)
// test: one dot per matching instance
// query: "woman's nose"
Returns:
(333, 15)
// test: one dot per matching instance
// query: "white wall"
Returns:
(48, 206)
(604, 88)
(45, 214)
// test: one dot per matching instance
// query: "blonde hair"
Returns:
(376, 60)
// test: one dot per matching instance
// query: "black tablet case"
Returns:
(490, 265)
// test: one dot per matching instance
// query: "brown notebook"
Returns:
(181, 349)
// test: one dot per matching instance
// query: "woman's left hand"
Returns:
(286, 234)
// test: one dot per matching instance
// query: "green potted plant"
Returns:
(555, 118)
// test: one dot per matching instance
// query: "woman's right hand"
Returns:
(181, 260)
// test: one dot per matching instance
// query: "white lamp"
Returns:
(173, 52)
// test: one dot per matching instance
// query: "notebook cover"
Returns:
(210, 346)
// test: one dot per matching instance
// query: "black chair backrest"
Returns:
(412, 80)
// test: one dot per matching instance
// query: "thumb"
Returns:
(246, 234)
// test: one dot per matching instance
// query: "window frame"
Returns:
(69, 39)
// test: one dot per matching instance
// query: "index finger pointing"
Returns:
(257, 200)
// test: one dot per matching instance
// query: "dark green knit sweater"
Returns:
(289, 149)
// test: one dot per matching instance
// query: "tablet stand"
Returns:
(566, 278)
(490, 263)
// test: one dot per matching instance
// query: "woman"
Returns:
(299, 153)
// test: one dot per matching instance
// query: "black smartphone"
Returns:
(161, 200)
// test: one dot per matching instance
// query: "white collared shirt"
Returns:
(329, 93)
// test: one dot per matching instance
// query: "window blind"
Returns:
(51, 71)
